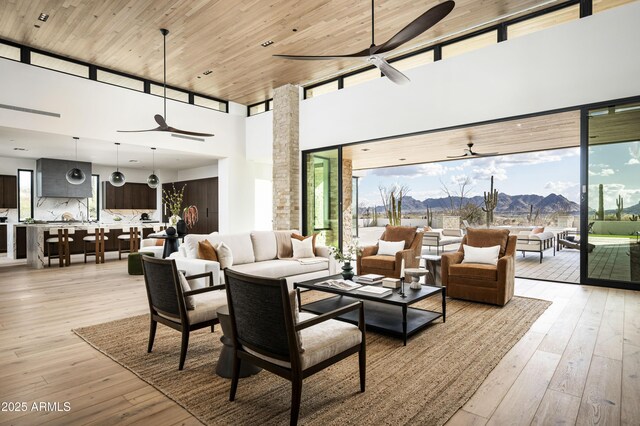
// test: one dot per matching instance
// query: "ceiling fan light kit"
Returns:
(75, 176)
(373, 54)
(162, 119)
(117, 178)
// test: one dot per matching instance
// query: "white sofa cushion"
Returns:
(225, 255)
(264, 245)
(485, 255)
(302, 249)
(321, 341)
(280, 268)
(389, 248)
(190, 244)
(240, 245)
(206, 306)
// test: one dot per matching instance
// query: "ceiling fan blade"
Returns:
(157, 129)
(186, 132)
(389, 71)
(361, 54)
(486, 154)
(160, 120)
(417, 27)
(457, 156)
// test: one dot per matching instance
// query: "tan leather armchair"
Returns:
(479, 282)
(369, 262)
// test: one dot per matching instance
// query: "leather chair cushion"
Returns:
(400, 233)
(379, 262)
(474, 270)
(488, 238)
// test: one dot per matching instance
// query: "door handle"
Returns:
(207, 215)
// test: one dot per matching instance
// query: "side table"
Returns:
(432, 262)
(224, 368)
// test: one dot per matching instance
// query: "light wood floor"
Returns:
(579, 364)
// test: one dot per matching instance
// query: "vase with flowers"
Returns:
(345, 256)
(172, 200)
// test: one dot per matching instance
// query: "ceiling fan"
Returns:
(469, 152)
(162, 120)
(373, 54)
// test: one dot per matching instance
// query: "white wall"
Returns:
(198, 172)
(588, 60)
(259, 137)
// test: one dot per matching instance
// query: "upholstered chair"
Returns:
(174, 304)
(369, 262)
(482, 282)
(269, 332)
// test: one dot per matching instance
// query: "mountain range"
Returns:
(551, 203)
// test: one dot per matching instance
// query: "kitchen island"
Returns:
(37, 233)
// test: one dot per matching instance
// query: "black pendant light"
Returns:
(75, 176)
(117, 178)
(153, 181)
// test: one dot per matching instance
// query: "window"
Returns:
(600, 5)
(269, 104)
(413, 61)
(176, 95)
(331, 86)
(56, 64)
(545, 21)
(361, 77)
(209, 103)
(468, 44)
(9, 52)
(120, 80)
(93, 212)
(257, 109)
(25, 194)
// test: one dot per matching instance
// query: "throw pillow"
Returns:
(302, 237)
(397, 233)
(159, 242)
(389, 248)
(538, 230)
(486, 255)
(488, 238)
(302, 249)
(206, 251)
(224, 255)
(293, 299)
(189, 301)
(283, 241)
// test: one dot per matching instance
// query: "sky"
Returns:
(542, 173)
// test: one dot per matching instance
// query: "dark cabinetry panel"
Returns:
(202, 193)
(8, 192)
(3, 238)
(21, 242)
(130, 196)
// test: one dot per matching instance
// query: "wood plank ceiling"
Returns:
(506, 137)
(225, 36)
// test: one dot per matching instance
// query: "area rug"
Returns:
(424, 383)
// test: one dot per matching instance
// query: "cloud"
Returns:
(631, 196)
(492, 169)
(569, 189)
(415, 171)
(632, 161)
(634, 152)
(540, 157)
(602, 172)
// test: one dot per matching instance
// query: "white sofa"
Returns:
(254, 253)
(442, 237)
(536, 243)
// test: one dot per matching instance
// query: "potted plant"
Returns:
(172, 200)
(345, 257)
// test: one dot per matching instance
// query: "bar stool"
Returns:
(132, 236)
(62, 240)
(97, 238)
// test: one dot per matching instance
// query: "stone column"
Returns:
(347, 201)
(286, 158)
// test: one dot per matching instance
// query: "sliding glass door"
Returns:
(321, 194)
(611, 248)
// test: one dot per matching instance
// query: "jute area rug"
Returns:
(424, 383)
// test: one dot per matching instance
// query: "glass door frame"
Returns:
(304, 194)
(584, 188)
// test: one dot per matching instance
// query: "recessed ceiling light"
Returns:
(36, 25)
(43, 17)
(402, 159)
(20, 149)
(267, 43)
(294, 30)
(366, 149)
(207, 72)
(133, 161)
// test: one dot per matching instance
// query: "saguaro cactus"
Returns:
(429, 217)
(600, 215)
(490, 203)
(619, 207)
(532, 218)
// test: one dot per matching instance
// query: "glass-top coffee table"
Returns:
(389, 314)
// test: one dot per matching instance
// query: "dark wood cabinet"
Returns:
(3, 238)
(130, 196)
(202, 193)
(21, 242)
(8, 192)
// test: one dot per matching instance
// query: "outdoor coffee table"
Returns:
(391, 314)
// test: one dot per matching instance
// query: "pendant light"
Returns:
(75, 176)
(153, 180)
(117, 178)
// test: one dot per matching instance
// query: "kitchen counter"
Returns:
(35, 236)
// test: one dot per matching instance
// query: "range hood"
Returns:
(51, 179)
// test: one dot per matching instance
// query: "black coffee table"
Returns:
(389, 314)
